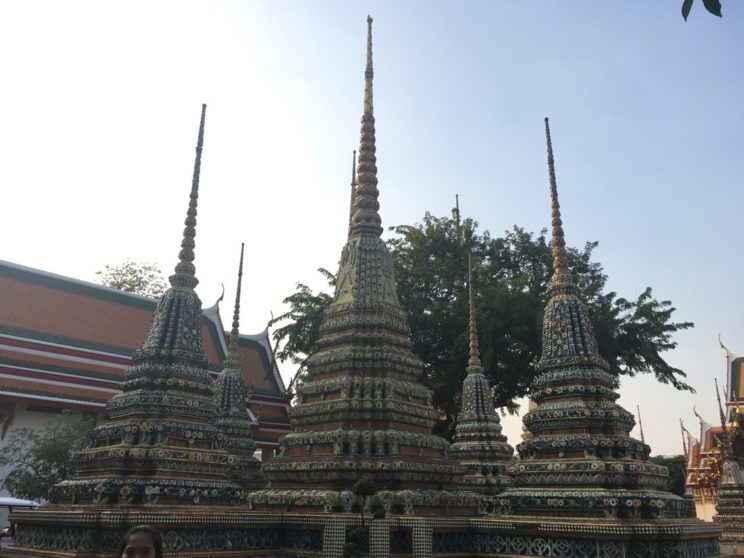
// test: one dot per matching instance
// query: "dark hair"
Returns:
(155, 536)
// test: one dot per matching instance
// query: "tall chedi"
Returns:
(580, 459)
(231, 398)
(363, 411)
(479, 444)
(159, 444)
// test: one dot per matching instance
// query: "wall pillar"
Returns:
(422, 535)
(379, 539)
(334, 537)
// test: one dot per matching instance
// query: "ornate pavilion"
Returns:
(714, 469)
(173, 450)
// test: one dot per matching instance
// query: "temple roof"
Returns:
(65, 343)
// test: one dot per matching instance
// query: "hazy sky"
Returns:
(101, 103)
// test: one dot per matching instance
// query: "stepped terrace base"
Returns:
(201, 532)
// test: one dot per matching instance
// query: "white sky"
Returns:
(101, 102)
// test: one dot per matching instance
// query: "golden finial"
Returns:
(561, 274)
(684, 443)
(474, 361)
(185, 275)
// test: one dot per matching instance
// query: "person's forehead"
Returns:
(139, 539)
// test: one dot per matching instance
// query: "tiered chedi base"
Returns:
(362, 412)
(159, 443)
(479, 445)
(580, 460)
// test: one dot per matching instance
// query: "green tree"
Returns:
(511, 276)
(133, 277)
(40, 458)
(298, 337)
(676, 466)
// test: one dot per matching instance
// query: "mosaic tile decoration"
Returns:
(363, 410)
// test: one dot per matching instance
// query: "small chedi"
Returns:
(579, 471)
(166, 454)
(363, 410)
(706, 454)
(479, 444)
(159, 443)
(580, 458)
(230, 396)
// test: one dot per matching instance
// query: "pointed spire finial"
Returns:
(353, 186)
(684, 444)
(185, 275)
(233, 358)
(640, 424)
(727, 450)
(457, 218)
(368, 70)
(365, 216)
(561, 274)
(474, 361)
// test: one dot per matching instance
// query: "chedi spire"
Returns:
(479, 444)
(362, 409)
(231, 398)
(561, 274)
(185, 275)
(366, 218)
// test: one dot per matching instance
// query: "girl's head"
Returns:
(142, 541)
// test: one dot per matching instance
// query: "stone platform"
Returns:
(62, 531)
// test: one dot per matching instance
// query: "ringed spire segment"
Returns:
(561, 274)
(474, 362)
(366, 217)
(185, 275)
(233, 358)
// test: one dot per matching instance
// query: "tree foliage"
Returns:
(676, 466)
(298, 337)
(40, 458)
(511, 275)
(133, 277)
